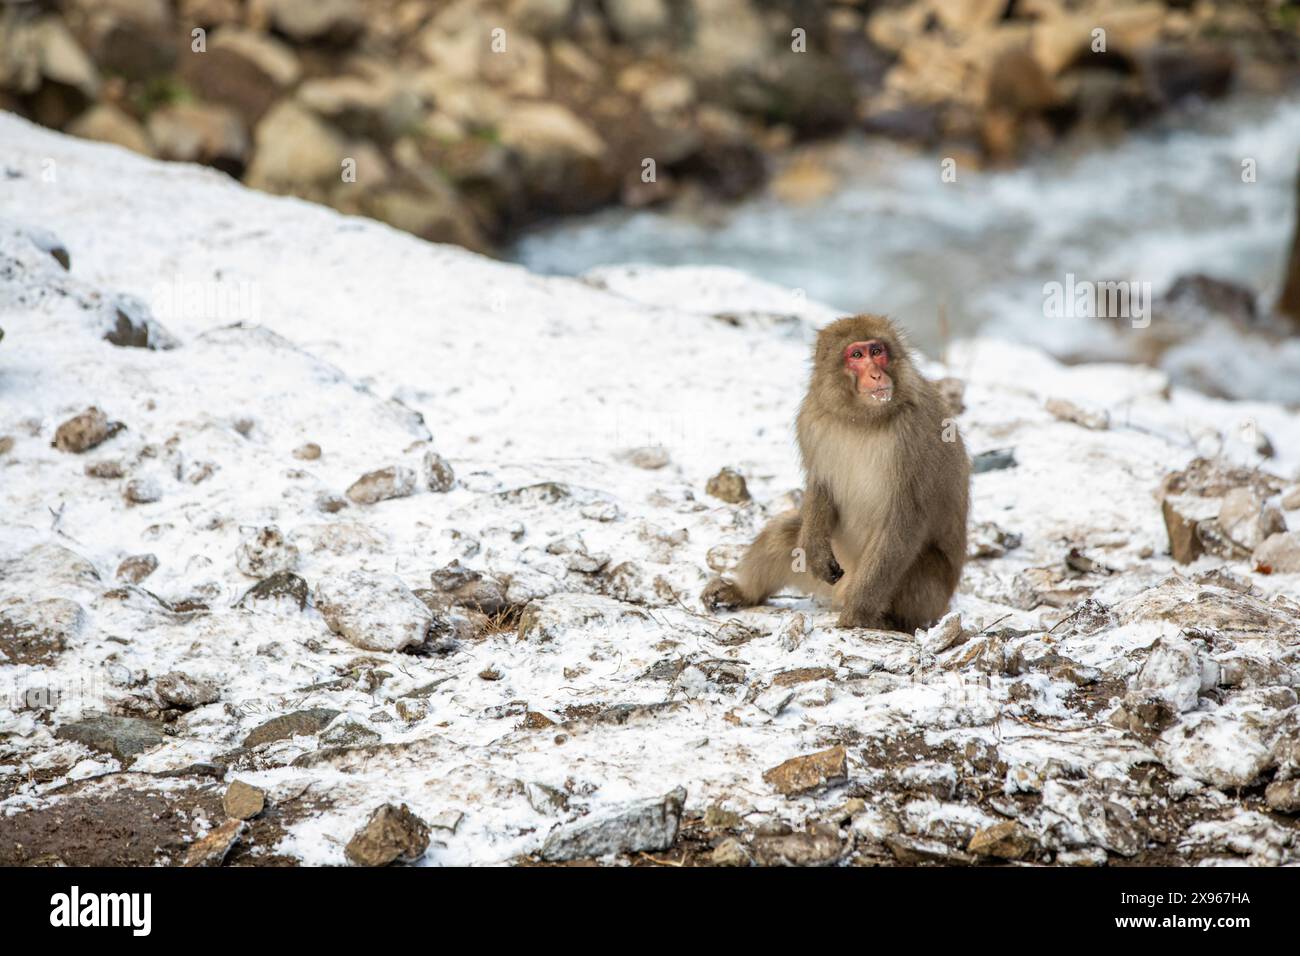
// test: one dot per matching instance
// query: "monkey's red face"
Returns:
(865, 362)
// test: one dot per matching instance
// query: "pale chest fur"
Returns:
(860, 469)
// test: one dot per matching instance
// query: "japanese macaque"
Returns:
(881, 531)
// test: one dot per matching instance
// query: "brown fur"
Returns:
(885, 499)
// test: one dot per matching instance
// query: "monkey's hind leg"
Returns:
(767, 567)
(923, 594)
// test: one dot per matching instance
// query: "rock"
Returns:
(51, 245)
(122, 737)
(638, 23)
(995, 460)
(1219, 748)
(212, 849)
(80, 433)
(729, 486)
(730, 852)
(1283, 796)
(646, 826)
(543, 17)
(438, 474)
(38, 631)
(1280, 553)
(243, 801)
(105, 123)
(393, 834)
(724, 557)
(62, 60)
(264, 552)
(809, 772)
(281, 585)
(1181, 527)
(649, 457)
(137, 567)
(300, 723)
(200, 133)
(1172, 671)
(947, 634)
(348, 733)
(142, 491)
(554, 617)
(1069, 412)
(911, 851)
(953, 392)
(373, 610)
(1173, 73)
(394, 481)
(184, 692)
(6, 444)
(294, 152)
(375, 107)
(245, 70)
(1207, 605)
(132, 325)
(792, 632)
(1084, 813)
(1209, 296)
(987, 540)
(1291, 500)
(336, 22)
(1246, 521)
(307, 452)
(1006, 841)
(562, 159)
(819, 845)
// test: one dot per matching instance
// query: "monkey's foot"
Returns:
(721, 595)
(863, 617)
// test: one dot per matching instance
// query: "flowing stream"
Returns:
(948, 258)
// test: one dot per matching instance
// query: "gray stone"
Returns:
(283, 585)
(265, 552)
(438, 475)
(122, 737)
(300, 723)
(642, 827)
(374, 611)
(995, 460)
(819, 845)
(184, 692)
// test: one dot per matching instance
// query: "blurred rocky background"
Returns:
(465, 120)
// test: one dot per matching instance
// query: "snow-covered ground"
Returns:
(596, 679)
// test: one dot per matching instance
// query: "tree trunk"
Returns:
(1289, 302)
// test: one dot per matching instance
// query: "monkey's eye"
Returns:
(857, 353)
(876, 350)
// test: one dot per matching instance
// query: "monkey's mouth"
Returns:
(882, 394)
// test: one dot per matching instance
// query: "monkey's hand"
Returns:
(822, 564)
